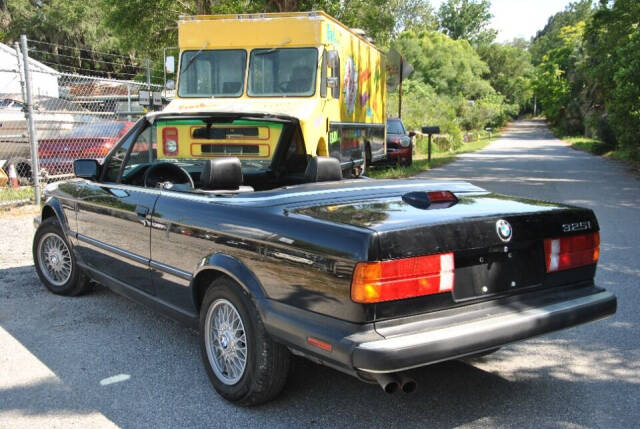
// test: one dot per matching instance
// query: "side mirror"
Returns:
(333, 82)
(333, 59)
(171, 85)
(170, 64)
(86, 169)
(412, 134)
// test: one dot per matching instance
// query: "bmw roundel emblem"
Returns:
(504, 230)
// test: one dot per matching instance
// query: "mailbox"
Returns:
(431, 130)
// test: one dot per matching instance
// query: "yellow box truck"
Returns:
(304, 65)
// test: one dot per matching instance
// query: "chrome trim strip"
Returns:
(477, 328)
(170, 270)
(113, 249)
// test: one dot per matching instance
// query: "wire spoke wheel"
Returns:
(54, 259)
(226, 341)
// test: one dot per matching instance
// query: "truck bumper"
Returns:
(430, 341)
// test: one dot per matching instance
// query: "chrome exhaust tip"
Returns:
(388, 382)
(407, 384)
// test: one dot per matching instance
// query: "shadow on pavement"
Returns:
(87, 339)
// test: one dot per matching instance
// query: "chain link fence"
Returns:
(60, 117)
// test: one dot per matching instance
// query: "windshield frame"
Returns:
(148, 120)
(315, 73)
(200, 52)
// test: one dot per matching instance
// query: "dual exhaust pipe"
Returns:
(393, 382)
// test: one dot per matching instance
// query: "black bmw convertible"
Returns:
(223, 222)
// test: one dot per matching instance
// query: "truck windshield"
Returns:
(212, 73)
(283, 72)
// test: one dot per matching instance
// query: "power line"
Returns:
(85, 59)
(80, 49)
(157, 76)
(89, 70)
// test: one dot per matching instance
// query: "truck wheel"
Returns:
(362, 168)
(55, 262)
(243, 363)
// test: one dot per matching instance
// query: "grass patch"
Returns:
(597, 147)
(588, 144)
(8, 194)
(420, 162)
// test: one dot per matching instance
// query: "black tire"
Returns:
(267, 362)
(77, 281)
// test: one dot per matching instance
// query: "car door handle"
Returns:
(142, 211)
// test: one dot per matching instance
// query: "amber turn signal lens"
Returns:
(402, 278)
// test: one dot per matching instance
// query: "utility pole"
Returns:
(400, 91)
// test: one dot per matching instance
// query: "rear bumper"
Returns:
(454, 337)
(414, 341)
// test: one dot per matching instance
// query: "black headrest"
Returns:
(323, 169)
(221, 173)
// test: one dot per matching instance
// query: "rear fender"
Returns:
(236, 270)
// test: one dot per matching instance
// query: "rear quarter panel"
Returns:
(300, 262)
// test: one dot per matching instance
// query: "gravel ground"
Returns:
(55, 351)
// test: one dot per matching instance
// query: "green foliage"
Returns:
(451, 85)
(558, 80)
(451, 67)
(66, 22)
(549, 37)
(422, 105)
(42, 21)
(414, 15)
(467, 19)
(145, 31)
(613, 43)
(588, 72)
(510, 71)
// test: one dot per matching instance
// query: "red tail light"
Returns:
(571, 252)
(441, 197)
(402, 278)
(170, 141)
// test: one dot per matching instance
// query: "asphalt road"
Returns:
(58, 355)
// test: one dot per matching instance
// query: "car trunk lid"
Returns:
(487, 264)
